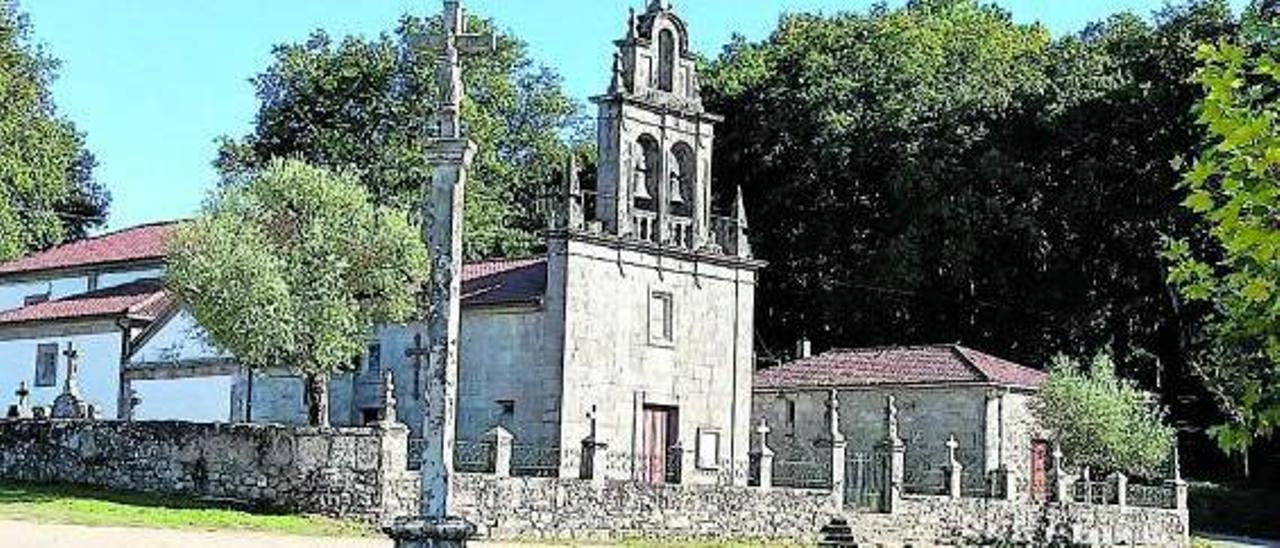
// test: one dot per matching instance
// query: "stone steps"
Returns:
(837, 534)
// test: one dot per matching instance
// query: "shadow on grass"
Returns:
(35, 493)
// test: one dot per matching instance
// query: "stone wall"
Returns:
(970, 521)
(350, 472)
(563, 509)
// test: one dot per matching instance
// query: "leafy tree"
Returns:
(294, 268)
(1101, 421)
(47, 190)
(1235, 187)
(367, 105)
(940, 173)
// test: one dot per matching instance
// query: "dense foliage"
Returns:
(367, 105)
(1103, 422)
(938, 172)
(292, 269)
(47, 190)
(1235, 187)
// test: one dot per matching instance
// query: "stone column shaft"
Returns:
(443, 213)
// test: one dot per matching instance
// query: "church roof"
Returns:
(900, 365)
(504, 282)
(144, 299)
(139, 243)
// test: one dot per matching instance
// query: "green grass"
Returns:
(94, 507)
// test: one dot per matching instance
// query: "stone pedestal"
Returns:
(70, 406)
(422, 532)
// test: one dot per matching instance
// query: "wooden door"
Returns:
(657, 443)
(1039, 470)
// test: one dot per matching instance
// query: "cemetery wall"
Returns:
(561, 509)
(342, 472)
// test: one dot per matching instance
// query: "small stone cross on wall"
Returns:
(417, 353)
(952, 445)
(72, 383)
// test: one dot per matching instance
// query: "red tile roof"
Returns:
(504, 282)
(142, 299)
(145, 242)
(941, 364)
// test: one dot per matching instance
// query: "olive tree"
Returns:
(293, 270)
(1102, 421)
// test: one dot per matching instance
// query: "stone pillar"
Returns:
(895, 460)
(594, 452)
(389, 413)
(450, 155)
(1120, 483)
(762, 458)
(1176, 483)
(955, 470)
(839, 450)
(500, 444)
(994, 431)
(1061, 483)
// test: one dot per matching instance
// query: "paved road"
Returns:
(39, 535)
(1224, 541)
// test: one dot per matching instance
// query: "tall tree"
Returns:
(47, 190)
(294, 268)
(367, 105)
(1235, 187)
(940, 173)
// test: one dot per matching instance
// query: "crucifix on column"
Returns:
(72, 383)
(450, 155)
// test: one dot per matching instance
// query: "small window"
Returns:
(666, 60)
(708, 448)
(791, 414)
(506, 412)
(373, 361)
(661, 318)
(46, 365)
(35, 299)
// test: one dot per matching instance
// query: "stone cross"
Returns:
(952, 445)
(22, 393)
(954, 468)
(457, 42)
(72, 384)
(450, 155)
(416, 353)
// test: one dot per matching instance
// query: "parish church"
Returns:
(635, 327)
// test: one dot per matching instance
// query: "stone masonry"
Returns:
(355, 473)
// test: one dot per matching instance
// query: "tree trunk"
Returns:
(318, 399)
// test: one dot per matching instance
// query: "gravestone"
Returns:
(21, 409)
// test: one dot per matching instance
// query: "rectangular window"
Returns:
(35, 299)
(46, 365)
(373, 362)
(661, 318)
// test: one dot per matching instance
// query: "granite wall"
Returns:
(355, 473)
(562, 509)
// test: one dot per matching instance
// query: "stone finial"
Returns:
(891, 421)
(618, 81)
(833, 416)
(632, 31)
(389, 414)
(955, 470)
(134, 401)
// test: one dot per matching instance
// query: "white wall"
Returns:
(99, 368)
(204, 399)
(181, 338)
(12, 294)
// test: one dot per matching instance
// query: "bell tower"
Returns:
(655, 137)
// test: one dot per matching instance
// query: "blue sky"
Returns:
(154, 82)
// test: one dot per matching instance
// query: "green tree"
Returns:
(941, 173)
(1235, 187)
(1101, 421)
(368, 105)
(293, 269)
(47, 190)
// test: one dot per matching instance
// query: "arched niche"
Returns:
(666, 60)
(683, 181)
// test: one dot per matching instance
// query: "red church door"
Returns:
(1039, 470)
(660, 437)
